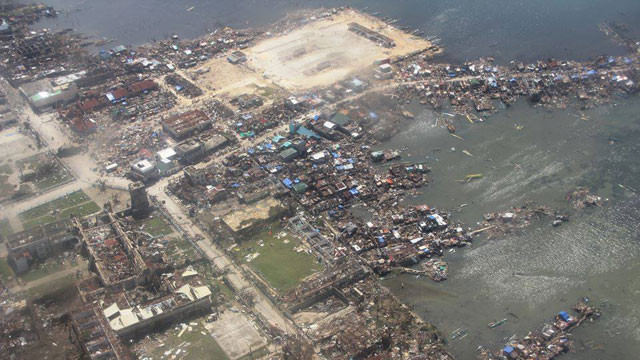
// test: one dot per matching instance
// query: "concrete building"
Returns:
(5, 28)
(237, 57)
(28, 247)
(139, 199)
(184, 125)
(288, 155)
(191, 151)
(95, 337)
(112, 255)
(144, 170)
(384, 72)
(372, 35)
(196, 177)
(43, 95)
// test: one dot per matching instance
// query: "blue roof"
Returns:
(508, 349)
(354, 191)
(287, 182)
(308, 133)
(564, 315)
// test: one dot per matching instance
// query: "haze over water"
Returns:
(533, 274)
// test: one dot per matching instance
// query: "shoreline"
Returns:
(472, 90)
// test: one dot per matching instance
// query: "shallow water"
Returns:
(542, 270)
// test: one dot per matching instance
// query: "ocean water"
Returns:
(505, 29)
(533, 154)
(525, 153)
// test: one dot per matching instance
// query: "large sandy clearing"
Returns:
(325, 51)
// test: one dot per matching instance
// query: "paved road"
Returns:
(220, 259)
(82, 167)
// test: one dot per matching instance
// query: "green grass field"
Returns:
(278, 262)
(60, 176)
(77, 203)
(6, 272)
(41, 270)
(5, 228)
(157, 225)
(67, 201)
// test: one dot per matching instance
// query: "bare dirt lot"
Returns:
(235, 335)
(220, 78)
(325, 51)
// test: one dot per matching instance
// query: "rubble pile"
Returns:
(436, 269)
(369, 322)
(183, 86)
(553, 340)
(501, 223)
(582, 197)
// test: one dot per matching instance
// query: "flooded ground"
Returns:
(528, 153)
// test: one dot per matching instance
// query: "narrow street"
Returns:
(83, 168)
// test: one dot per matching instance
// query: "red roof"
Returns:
(82, 125)
(119, 93)
(89, 104)
(143, 85)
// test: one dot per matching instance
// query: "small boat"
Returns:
(408, 114)
(473, 177)
(495, 324)
(451, 128)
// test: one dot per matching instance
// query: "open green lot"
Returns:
(278, 261)
(42, 270)
(156, 225)
(77, 203)
(67, 201)
(58, 176)
(6, 188)
(5, 228)
(5, 270)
